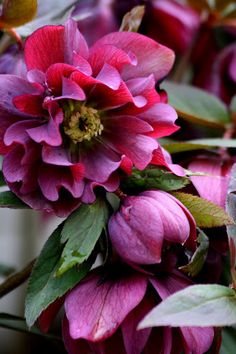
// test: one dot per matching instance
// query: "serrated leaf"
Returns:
(154, 178)
(198, 144)
(132, 19)
(10, 200)
(19, 324)
(81, 232)
(44, 288)
(196, 105)
(196, 305)
(198, 259)
(205, 213)
(18, 12)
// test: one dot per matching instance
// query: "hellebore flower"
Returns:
(213, 186)
(222, 77)
(95, 14)
(102, 315)
(138, 230)
(80, 113)
(172, 23)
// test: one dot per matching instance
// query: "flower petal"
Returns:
(95, 309)
(160, 58)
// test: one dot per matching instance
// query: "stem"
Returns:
(16, 279)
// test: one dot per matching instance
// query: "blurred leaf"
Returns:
(196, 105)
(81, 232)
(198, 144)
(49, 13)
(132, 20)
(19, 324)
(205, 213)
(18, 12)
(228, 341)
(233, 104)
(44, 288)
(196, 305)
(231, 229)
(6, 270)
(154, 178)
(10, 200)
(199, 256)
(2, 180)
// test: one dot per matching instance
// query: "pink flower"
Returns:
(81, 112)
(172, 23)
(139, 228)
(103, 312)
(214, 184)
(221, 80)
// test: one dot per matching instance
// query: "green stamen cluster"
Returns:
(81, 123)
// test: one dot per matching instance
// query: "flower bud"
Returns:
(138, 229)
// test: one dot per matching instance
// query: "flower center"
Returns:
(81, 123)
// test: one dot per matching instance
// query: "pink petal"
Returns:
(198, 340)
(152, 57)
(82, 64)
(109, 54)
(134, 340)
(51, 179)
(95, 309)
(48, 133)
(17, 132)
(136, 231)
(45, 47)
(56, 155)
(71, 90)
(55, 74)
(73, 346)
(74, 42)
(29, 104)
(99, 161)
(162, 118)
(109, 76)
(16, 86)
(110, 185)
(213, 186)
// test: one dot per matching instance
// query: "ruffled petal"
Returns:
(160, 58)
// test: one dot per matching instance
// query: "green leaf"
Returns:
(132, 19)
(233, 104)
(19, 324)
(154, 178)
(44, 288)
(196, 305)
(231, 229)
(113, 200)
(81, 231)
(228, 341)
(198, 144)
(199, 256)
(18, 12)
(6, 270)
(2, 179)
(10, 200)
(205, 213)
(196, 105)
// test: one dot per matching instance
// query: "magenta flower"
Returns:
(139, 228)
(81, 112)
(173, 24)
(103, 312)
(214, 184)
